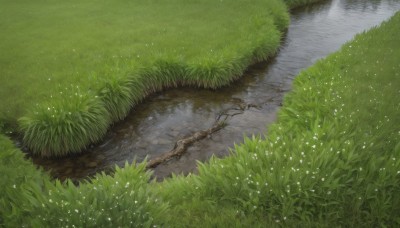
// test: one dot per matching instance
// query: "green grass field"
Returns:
(70, 69)
(331, 160)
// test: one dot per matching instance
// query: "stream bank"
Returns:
(154, 126)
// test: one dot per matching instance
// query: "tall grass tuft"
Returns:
(21, 186)
(297, 3)
(65, 126)
(162, 72)
(29, 199)
(119, 95)
(124, 199)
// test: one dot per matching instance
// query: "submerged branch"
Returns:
(182, 144)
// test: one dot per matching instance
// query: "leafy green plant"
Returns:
(20, 187)
(119, 95)
(66, 126)
(122, 199)
(296, 3)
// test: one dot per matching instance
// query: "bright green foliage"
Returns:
(332, 159)
(65, 127)
(119, 52)
(119, 95)
(106, 201)
(28, 198)
(296, 3)
(20, 185)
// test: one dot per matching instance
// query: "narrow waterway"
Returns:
(250, 104)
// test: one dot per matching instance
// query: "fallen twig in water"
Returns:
(182, 144)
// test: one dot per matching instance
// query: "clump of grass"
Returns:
(65, 126)
(162, 72)
(297, 3)
(119, 95)
(29, 199)
(21, 186)
(124, 199)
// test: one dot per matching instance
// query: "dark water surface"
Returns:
(154, 126)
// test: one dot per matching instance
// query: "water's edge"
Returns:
(250, 103)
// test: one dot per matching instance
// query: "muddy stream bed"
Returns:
(248, 105)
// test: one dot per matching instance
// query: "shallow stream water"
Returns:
(154, 126)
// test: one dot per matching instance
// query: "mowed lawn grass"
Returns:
(332, 159)
(69, 69)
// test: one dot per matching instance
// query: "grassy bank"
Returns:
(29, 199)
(331, 159)
(70, 69)
(297, 3)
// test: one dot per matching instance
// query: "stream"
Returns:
(249, 105)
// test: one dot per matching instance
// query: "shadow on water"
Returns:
(154, 126)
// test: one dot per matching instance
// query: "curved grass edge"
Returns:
(68, 124)
(331, 159)
(361, 189)
(292, 4)
(51, 130)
